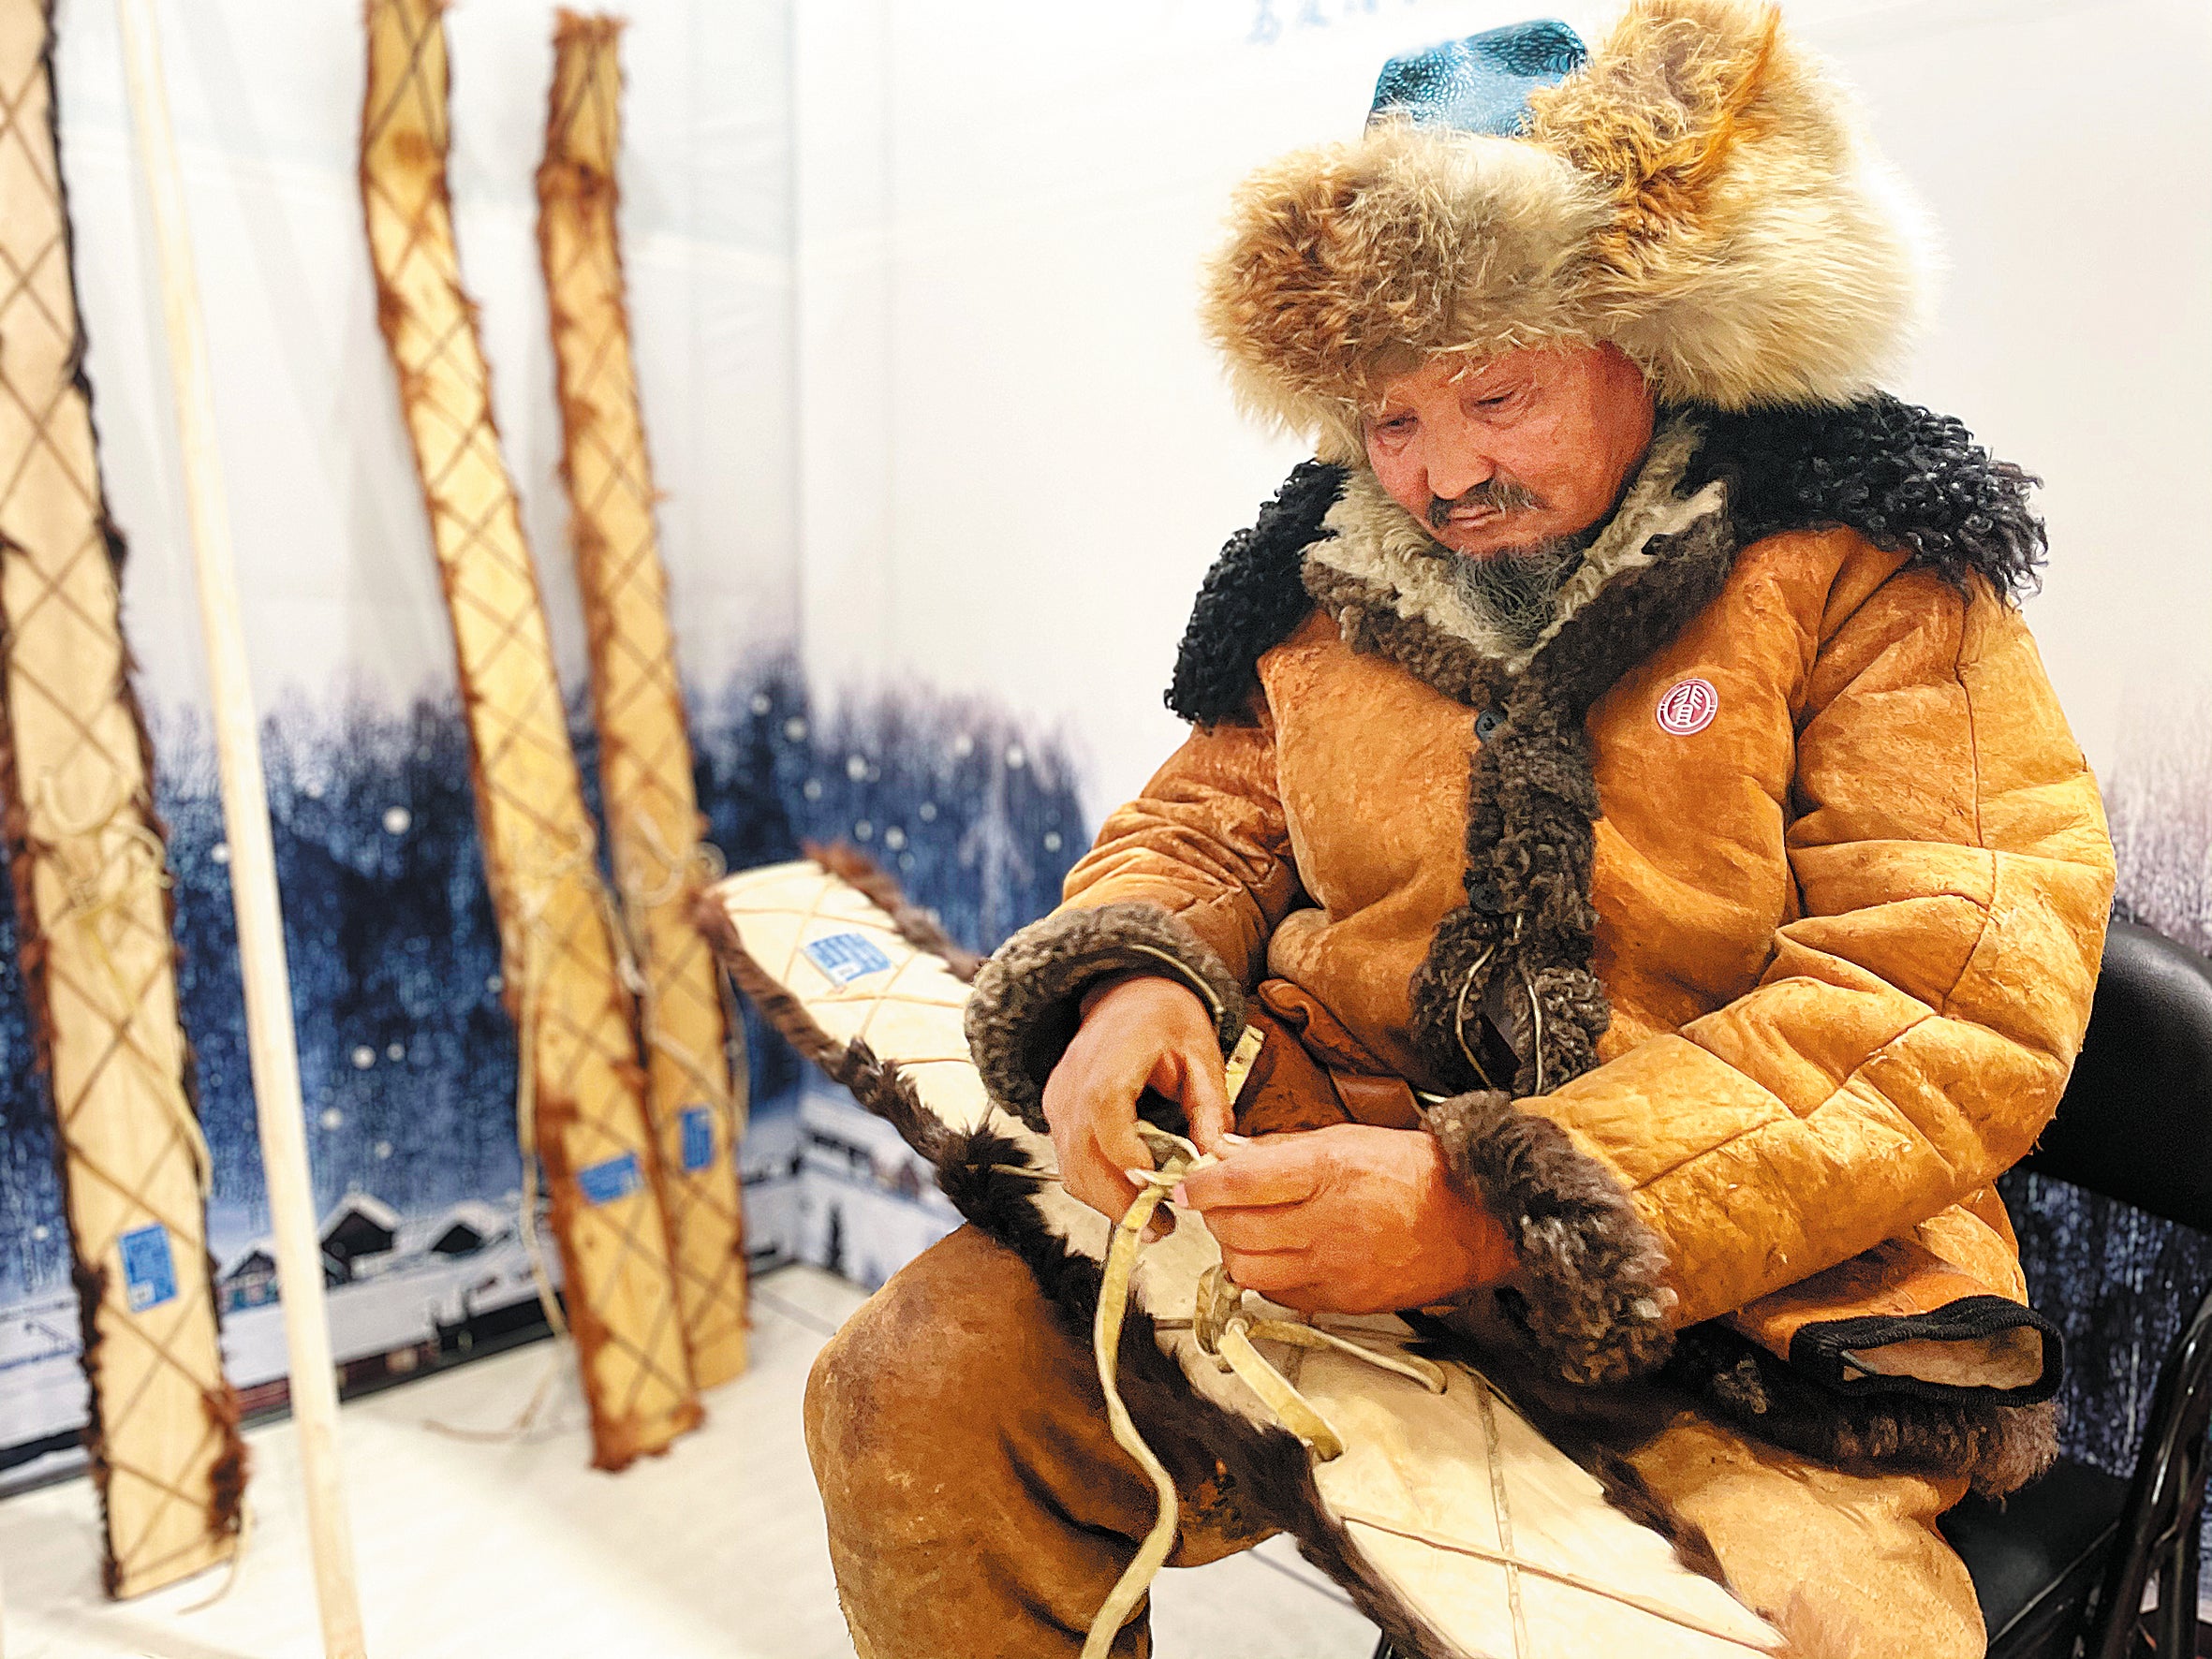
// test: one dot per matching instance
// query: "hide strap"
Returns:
(1224, 1330)
(1899, 1319)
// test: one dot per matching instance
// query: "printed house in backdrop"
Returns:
(467, 1228)
(249, 1280)
(361, 1230)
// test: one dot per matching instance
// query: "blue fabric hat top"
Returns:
(1479, 84)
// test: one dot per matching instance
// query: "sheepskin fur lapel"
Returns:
(1388, 585)
(1907, 480)
(1251, 600)
(1528, 923)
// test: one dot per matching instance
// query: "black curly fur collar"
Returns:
(1251, 600)
(1909, 480)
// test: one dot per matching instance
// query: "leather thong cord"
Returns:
(1223, 1330)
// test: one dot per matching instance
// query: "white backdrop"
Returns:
(1013, 428)
(332, 547)
(913, 293)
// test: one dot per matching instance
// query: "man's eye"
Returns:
(1395, 424)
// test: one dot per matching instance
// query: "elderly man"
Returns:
(1626, 798)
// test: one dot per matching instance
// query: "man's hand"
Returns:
(1140, 1032)
(1349, 1219)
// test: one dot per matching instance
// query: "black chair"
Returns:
(2062, 1566)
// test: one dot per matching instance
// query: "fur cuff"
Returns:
(1591, 1271)
(1028, 996)
(1999, 1448)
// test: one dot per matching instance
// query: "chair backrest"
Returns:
(2136, 1120)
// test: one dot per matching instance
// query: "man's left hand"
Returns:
(1349, 1219)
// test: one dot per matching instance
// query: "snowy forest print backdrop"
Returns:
(945, 459)
(407, 1058)
(407, 1055)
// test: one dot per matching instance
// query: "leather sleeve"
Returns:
(1188, 880)
(1206, 842)
(1917, 1019)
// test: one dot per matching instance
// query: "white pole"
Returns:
(270, 1038)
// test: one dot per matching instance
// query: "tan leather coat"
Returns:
(1847, 881)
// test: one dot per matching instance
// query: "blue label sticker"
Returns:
(847, 957)
(613, 1178)
(699, 1137)
(149, 1270)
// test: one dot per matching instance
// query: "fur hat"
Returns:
(1696, 192)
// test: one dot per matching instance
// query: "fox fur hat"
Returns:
(1696, 191)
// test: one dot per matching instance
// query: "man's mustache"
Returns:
(1494, 495)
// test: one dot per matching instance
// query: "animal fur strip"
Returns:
(1023, 1013)
(558, 945)
(1450, 1519)
(918, 926)
(93, 907)
(1699, 194)
(653, 819)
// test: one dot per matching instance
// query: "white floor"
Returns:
(469, 1550)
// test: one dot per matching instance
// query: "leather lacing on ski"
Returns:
(1223, 1329)
(1226, 1330)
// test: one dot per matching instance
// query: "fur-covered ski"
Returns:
(558, 947)
(1452, 1522)
(652, 820)
(93, 910)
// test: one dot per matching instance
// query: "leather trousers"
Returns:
(979, 1508)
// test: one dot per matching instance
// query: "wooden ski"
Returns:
(578, 1047)
(93, 906)
(652, 816)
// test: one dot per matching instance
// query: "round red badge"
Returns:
(1689, 707)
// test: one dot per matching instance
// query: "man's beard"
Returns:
(1515, 590)
(1511, 590)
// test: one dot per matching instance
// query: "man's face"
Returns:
(1513, 452)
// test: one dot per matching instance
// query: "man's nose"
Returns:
(1455, 468)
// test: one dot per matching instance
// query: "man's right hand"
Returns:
(1139, 1033)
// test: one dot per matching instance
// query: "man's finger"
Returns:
(1273, 1229)
(1113, 1128)
(1276, 1170)
(1205, 1099)
(1090, 1176)
(1110, 1189)
(1276, 1275)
